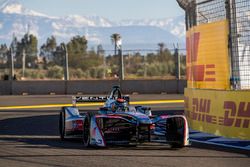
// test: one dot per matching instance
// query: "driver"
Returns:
(119, 105)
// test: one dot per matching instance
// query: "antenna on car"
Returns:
(116, 87)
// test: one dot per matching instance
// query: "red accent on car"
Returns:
(79, 125)
(120, 100)
(152, 126)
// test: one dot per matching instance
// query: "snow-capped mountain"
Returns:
(176, 25)
(14, 7)
(18, 20)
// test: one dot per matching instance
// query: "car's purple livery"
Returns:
(117, 123)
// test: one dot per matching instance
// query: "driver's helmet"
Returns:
(119, 105)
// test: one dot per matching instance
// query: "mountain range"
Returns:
(17, 20)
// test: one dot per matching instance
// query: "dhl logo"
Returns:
(200, 110)
(235, 115)
(200, 72)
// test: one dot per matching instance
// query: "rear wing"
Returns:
(83, 99)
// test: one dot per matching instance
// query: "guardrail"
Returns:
(91, 87)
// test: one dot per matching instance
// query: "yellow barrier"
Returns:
(207, 56)
(223, 113)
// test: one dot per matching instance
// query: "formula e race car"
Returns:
(118, 123)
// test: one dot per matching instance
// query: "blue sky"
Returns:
(112, 9)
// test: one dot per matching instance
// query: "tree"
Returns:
(77, 51)
(27, 51)
(101, 53)
(31, 51)
(100, 50)
(114, 39)
(59, 57)
(51, 43)
(161, 47)
(47, 50)
(3, 55)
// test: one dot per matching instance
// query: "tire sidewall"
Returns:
(86, 142)
(62, 125)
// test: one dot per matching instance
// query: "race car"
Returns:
(118, 123)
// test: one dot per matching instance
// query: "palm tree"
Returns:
(161, 47)
(114, 39)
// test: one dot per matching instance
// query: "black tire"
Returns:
(149, 134)
(62, 125)
(86, 131)
(176, 145)
(176, 139)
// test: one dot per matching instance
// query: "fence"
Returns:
(236, 17)
(210, 11)
(217, 63)
(159, 63)
(239, 14)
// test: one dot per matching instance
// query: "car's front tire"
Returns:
(62, 125)
(176, 145)
(86, 131)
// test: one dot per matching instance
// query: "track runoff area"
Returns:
(29, 137)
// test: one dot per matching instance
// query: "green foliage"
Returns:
(77, 51)
(161, 64)
(27, 48)
(77, 74)
(89, 64)
(48, 51)
(100, 50)
(153, 70)
(51, 43)
(55, 72)
(140, 72)
(33, 74)
(4, 51)
(183, 65)
(97, 73)
(171, 67)
(59, 56)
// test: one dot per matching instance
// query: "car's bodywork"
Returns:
(130, 125)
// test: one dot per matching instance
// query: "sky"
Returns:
(114, 10)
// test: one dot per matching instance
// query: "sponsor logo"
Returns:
(195, 71)
(235, 114)
(113, 129)
(90, 98)
(200, 110)
(99, 141)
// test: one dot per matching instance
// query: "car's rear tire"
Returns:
(86, 131)
(62, 125)
(176, 145)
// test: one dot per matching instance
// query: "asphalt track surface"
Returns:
(29, 137)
